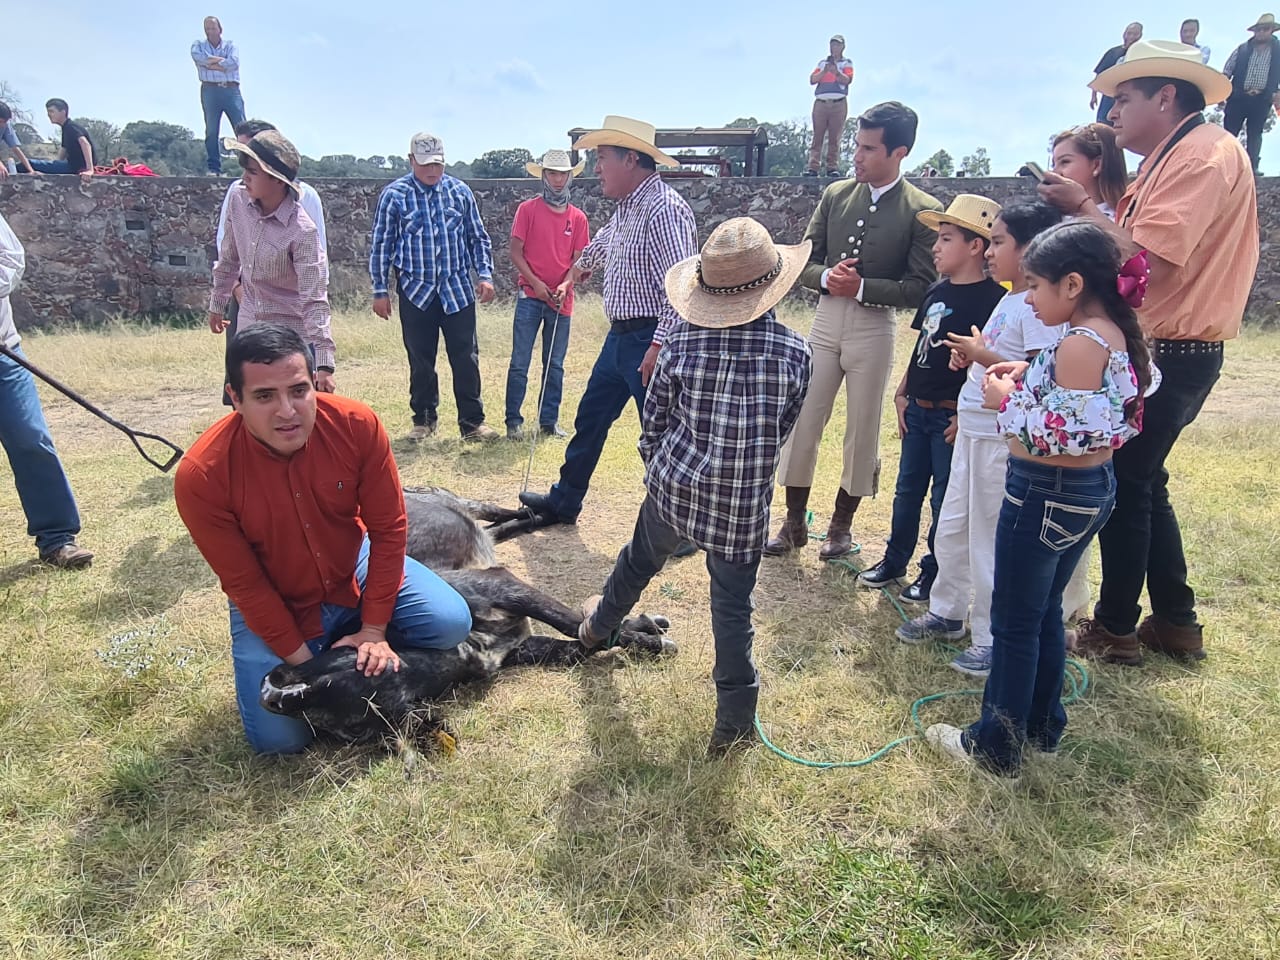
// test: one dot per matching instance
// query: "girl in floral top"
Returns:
(1064, 413)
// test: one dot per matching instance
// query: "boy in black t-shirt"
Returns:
(926, 396)
(76, 155)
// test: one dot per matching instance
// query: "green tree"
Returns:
(105, 137)
(788, 151)
(166, 148)
(976, 164)
(499, 164)
(940, 161)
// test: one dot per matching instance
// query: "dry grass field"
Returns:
(579, 818)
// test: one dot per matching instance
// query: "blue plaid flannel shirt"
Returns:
(434, 238)
(719, 408)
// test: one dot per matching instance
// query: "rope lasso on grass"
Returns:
(1076, 673)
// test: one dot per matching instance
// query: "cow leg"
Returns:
(499, 587)
(523, 522)
(640, 634)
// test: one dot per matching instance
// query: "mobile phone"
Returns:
(1035, 170)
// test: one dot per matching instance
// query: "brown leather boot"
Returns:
(1095, 641)
(839, 541)
(794, 533)
(1181, 643)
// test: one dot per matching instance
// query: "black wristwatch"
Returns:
(325, 369)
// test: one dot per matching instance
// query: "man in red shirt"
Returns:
(547, 236)
(295, 502)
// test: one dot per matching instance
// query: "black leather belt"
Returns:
(1184, 348)
(632, 324)
(935, 404)
(221, 83)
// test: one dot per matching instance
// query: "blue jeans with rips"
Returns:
(1048, 517)
(43, 488)
(532, 314)
(429, 613)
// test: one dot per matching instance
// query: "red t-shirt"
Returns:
(552, 239)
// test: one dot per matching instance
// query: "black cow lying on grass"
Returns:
(330, 694)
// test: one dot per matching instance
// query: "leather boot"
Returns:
(1096, 642)
(839, 540)
(1182, 643)
(794, 532)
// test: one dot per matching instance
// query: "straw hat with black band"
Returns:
(739, 276)
(968, 210)
(276, 156)
(1165, 59)
(557, 161)
(629, 135)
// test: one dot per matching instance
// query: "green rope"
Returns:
(1077, 679)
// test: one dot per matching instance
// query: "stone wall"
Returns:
(145, 246)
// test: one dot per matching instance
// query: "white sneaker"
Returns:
(946, 739)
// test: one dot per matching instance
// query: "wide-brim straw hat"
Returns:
(1266, 20)
(739, 275)
(967, 210)
(629, 134)
(1164, 58)
(275, 155)
(557, 160)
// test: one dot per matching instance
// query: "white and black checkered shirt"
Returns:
(720, 405)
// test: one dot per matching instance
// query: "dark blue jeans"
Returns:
(1048, 517)
(532, 314)
(50, 166)
(652, 544)
(1142, 541)
(615, 379)
(43, 489)
(215, 101)
(926, 457)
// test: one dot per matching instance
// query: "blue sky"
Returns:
(339, 77)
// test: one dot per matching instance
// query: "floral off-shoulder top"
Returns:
(1050, 420)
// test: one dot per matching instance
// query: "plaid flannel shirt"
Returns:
(434, 237)
(202, 50)
(651, 230)
(720, 405)
(1259, 71)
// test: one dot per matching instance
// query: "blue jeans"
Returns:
(1048, 517)
(429, 613)
(615, 379)
(215, 101)
(49, 166)
(531, 314)
(926, 456)
(43, 488)
(652, 543)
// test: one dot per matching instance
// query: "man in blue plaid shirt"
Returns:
(428, 227)
(724, 396)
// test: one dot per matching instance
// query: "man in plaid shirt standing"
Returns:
(724, 396)
(651, 230)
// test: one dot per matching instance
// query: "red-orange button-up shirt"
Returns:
(283, 534)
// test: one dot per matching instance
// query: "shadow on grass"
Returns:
(150, 578)
(637, 839)
(151, 492)
(17, 572)
(140, 840)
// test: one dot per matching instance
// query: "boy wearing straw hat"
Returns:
(547, 237)
(926, 395)
(272, 247)
(723, 398)
(1194, 209)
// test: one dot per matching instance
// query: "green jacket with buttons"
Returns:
(894, 249)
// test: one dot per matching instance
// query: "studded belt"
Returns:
(1185, 348)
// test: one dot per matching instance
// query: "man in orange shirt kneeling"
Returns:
(295, 502)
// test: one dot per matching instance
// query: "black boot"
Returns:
(839, 540)
(795, 529)
(735, 721)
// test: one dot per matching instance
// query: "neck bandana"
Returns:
(559, 199)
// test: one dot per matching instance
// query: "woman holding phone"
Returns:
(1089, 155)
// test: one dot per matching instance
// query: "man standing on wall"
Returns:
(651, 230)
(1254, 71)
(547, 236)
(1194, 209)
(870, 255)
(218, 66)
(428, 227)
(76, 153)
(831, 80)
(1132, 34)
(1188, 33)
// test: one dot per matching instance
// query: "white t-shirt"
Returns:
(1012, 332)
(308, 199)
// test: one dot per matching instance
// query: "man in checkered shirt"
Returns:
(724, 396)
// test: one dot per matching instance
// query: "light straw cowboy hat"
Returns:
(740, 274)
(275, 155)
(1164, 58)
(557, 160)
(1266, 20)
(630, 135)
(967, 210)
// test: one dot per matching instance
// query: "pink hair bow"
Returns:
(1132, 281)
